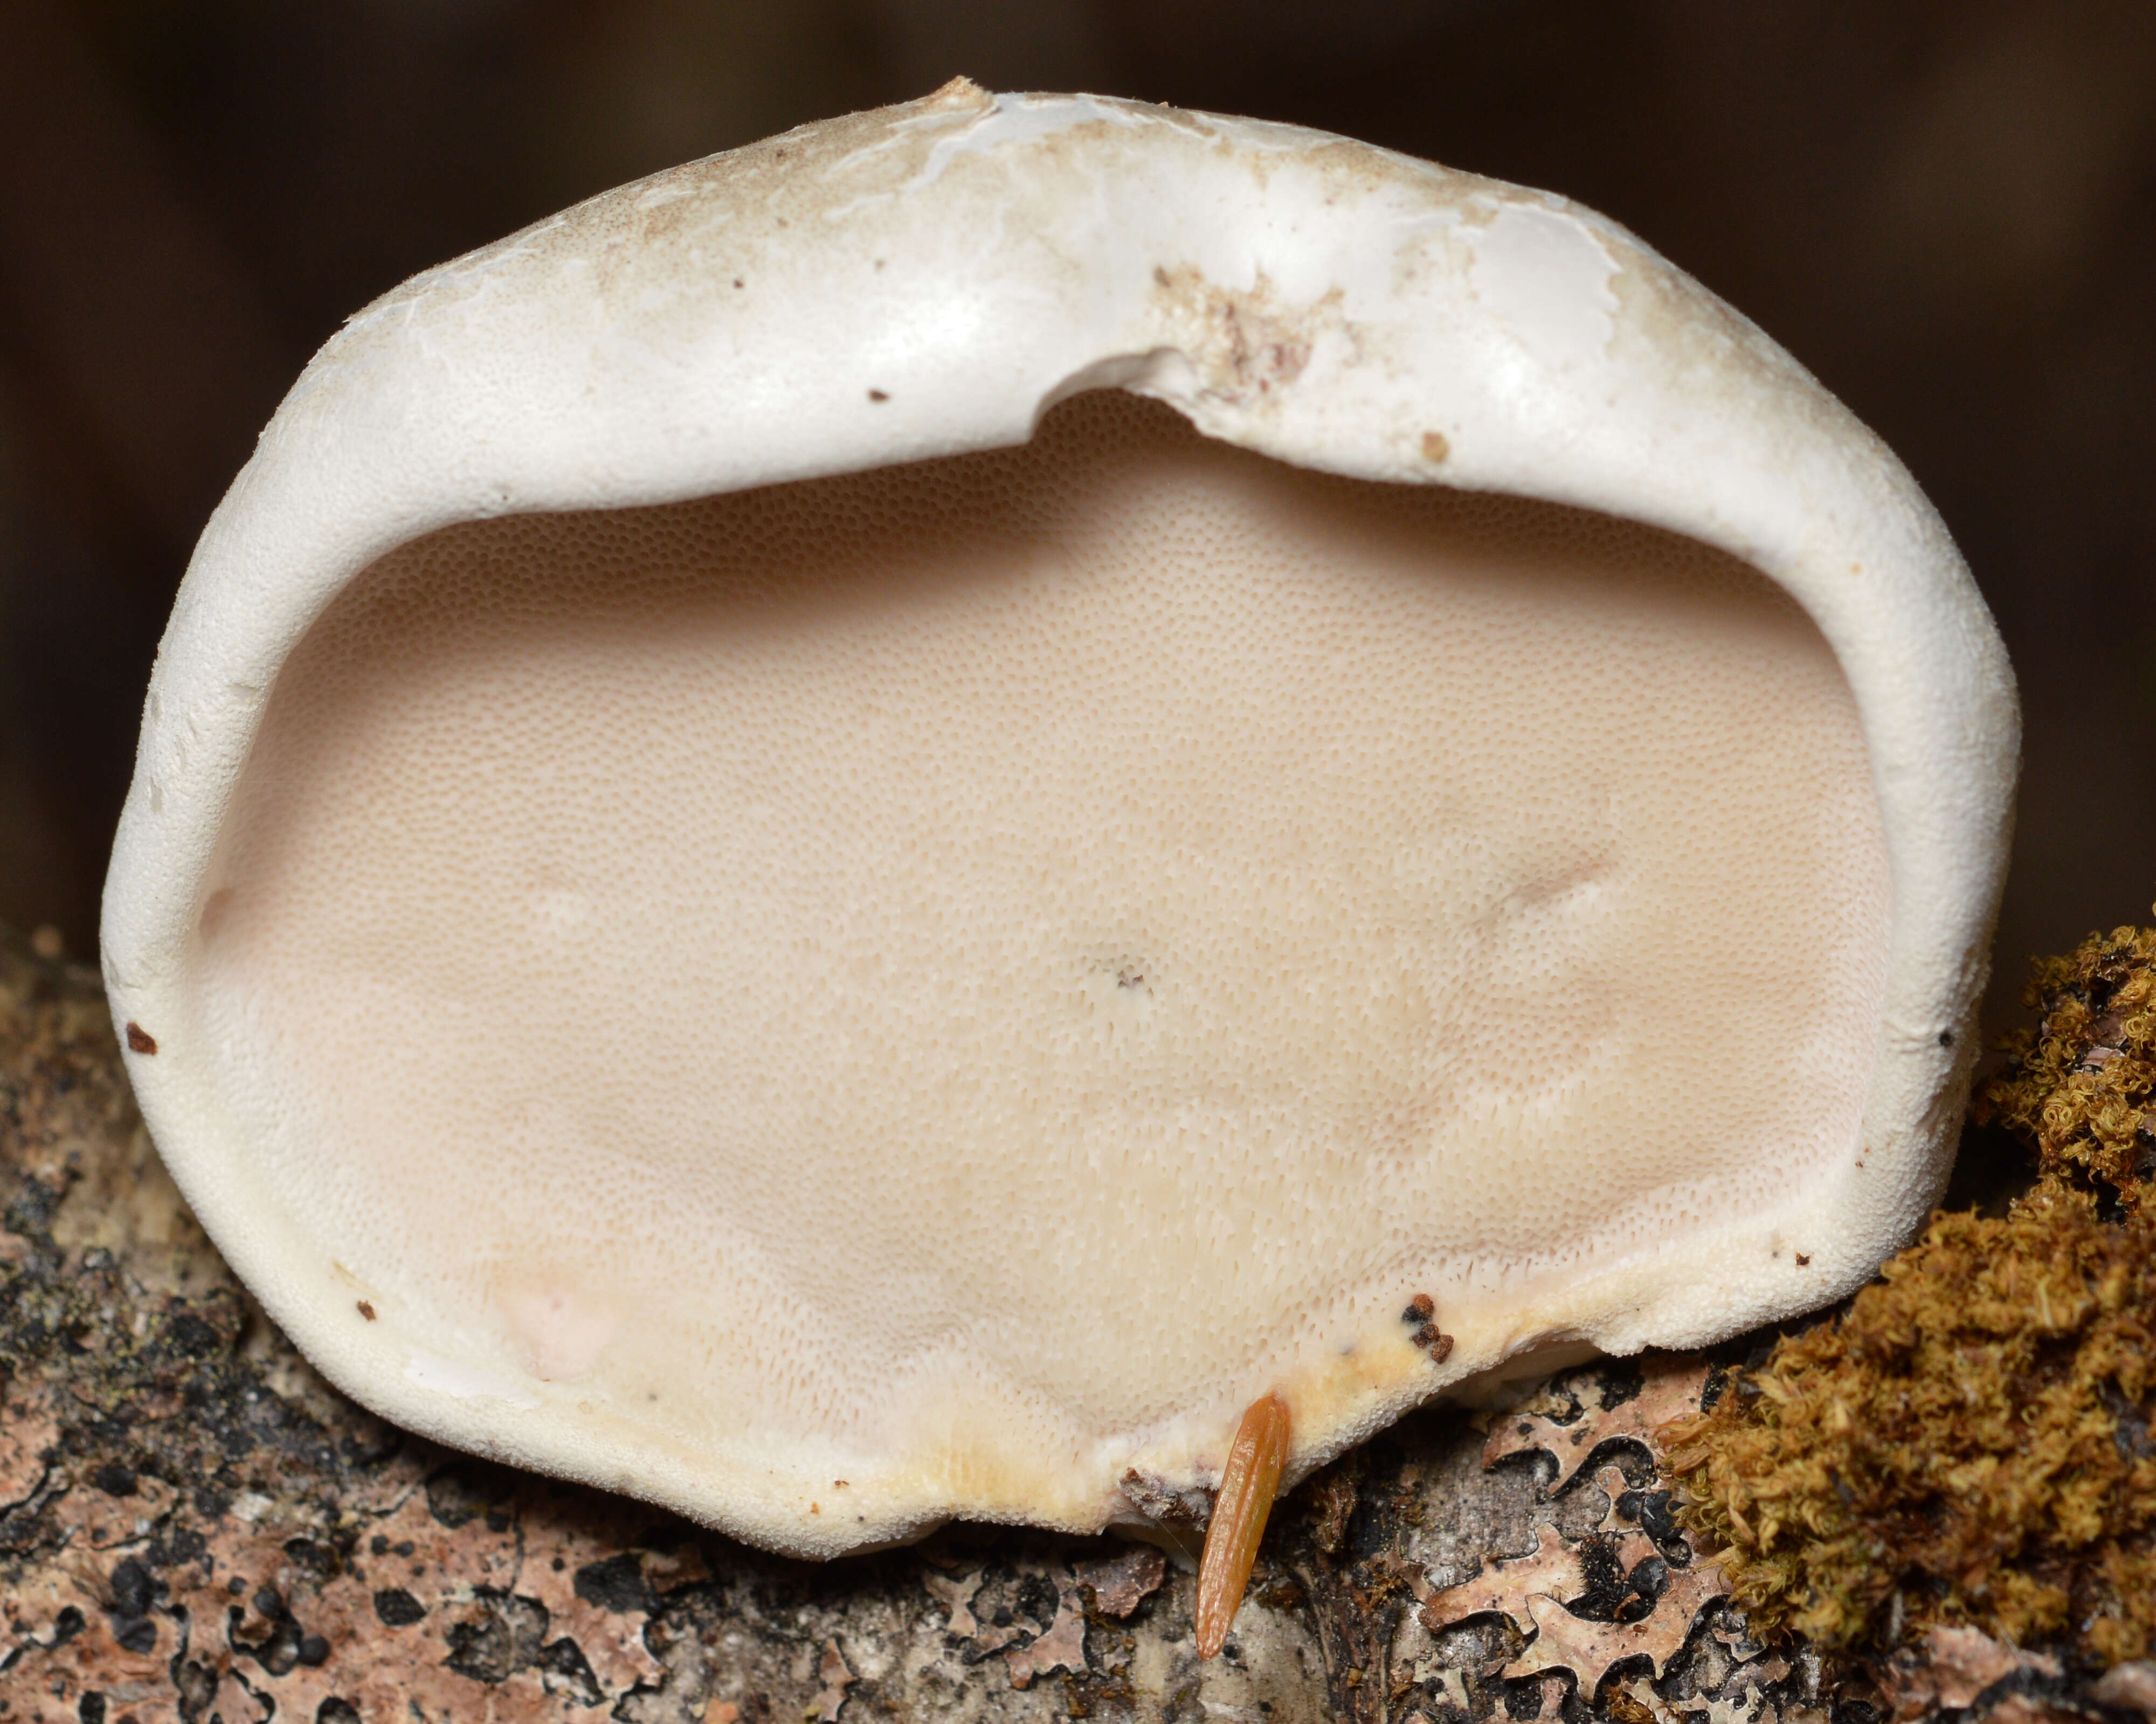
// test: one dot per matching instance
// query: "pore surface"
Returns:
(950, 971)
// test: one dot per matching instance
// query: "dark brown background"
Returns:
(1946, 208)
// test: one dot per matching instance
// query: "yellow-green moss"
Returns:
(1972, 1443)
(2081, 1088)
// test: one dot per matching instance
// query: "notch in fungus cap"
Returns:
(934, 803)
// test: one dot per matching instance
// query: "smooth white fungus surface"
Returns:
(957, 978)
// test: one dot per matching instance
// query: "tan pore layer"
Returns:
(949, 977)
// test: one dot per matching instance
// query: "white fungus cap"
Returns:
(750, 880)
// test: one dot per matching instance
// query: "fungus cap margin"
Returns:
(1331, 305)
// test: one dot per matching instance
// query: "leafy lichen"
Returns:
(1970, 1444)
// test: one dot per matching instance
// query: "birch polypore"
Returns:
(867, 831)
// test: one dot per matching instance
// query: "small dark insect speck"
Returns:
(367, 1310)
(879, 395)
(1946, 1038)
(140, 1039)
(737, 281)
(1803, 1259)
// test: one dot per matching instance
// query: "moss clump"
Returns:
(2081, 1087)
(1973, 1443)
(1969, 1446)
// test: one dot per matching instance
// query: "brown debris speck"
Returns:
(1243, 343)
(1164, 1505)
(1121, 1582)
(960, 92)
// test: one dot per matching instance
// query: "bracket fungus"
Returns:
(875, 829)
